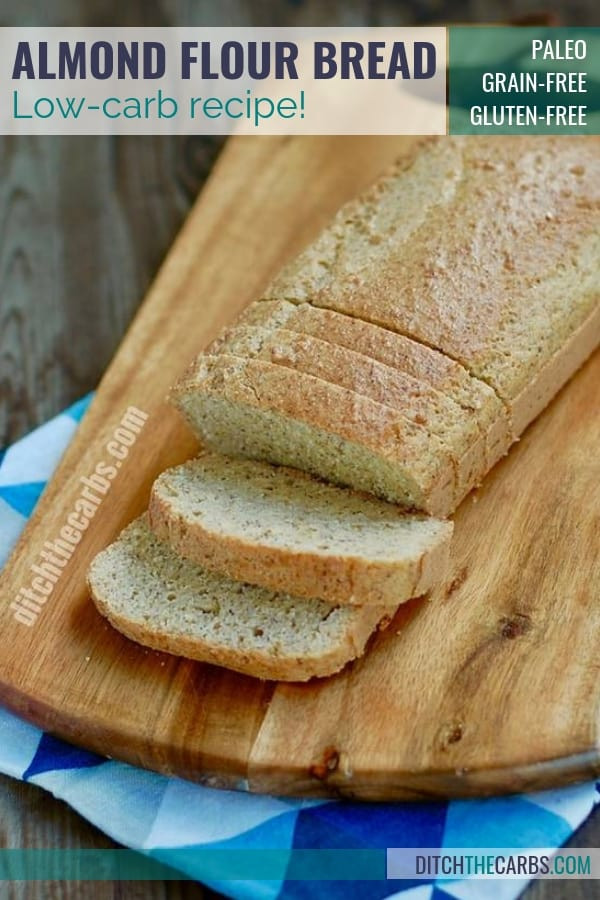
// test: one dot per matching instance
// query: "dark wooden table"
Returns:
(85, 223)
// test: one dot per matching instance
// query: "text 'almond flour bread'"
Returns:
(399, 352)
(255, 409)
(486, 248)
(162, 601)
(282, 529)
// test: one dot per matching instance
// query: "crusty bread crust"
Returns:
(333, 410)
(556, 372)
(389, 347)
(395, 350)
(411, 398)
(347, 579)
(480, 247)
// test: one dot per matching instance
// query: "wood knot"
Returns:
(327, 766)
(512, 627)
(452, 734)
(455, 735)
(457, 582)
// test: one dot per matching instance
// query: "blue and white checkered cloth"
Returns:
(143, 810)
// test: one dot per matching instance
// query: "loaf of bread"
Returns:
(471, 268)
(155, 598)
(485, 248)
(282, 529)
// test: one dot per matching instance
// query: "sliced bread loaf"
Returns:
(157, 599)
(282, 529)
(255, 409)
(411, 398)
(397, 351)
(486, 248)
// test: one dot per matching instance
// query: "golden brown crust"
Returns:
(556, 372)
(487, 226)
(396, 351)
(388, 347)
(411, 398)
(333, 410)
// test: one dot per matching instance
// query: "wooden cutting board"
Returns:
(490, 685)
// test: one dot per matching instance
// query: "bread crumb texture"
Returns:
(159, 599)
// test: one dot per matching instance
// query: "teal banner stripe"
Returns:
(205, 864)
(523, 80)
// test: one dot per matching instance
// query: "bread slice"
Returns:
(282, 529)
(486, 248)
(411, 398)
(399, 352)
(157, 599)
(252, 408)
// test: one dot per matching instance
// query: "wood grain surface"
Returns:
(474, 690)
(151, 182)
(29, 817)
